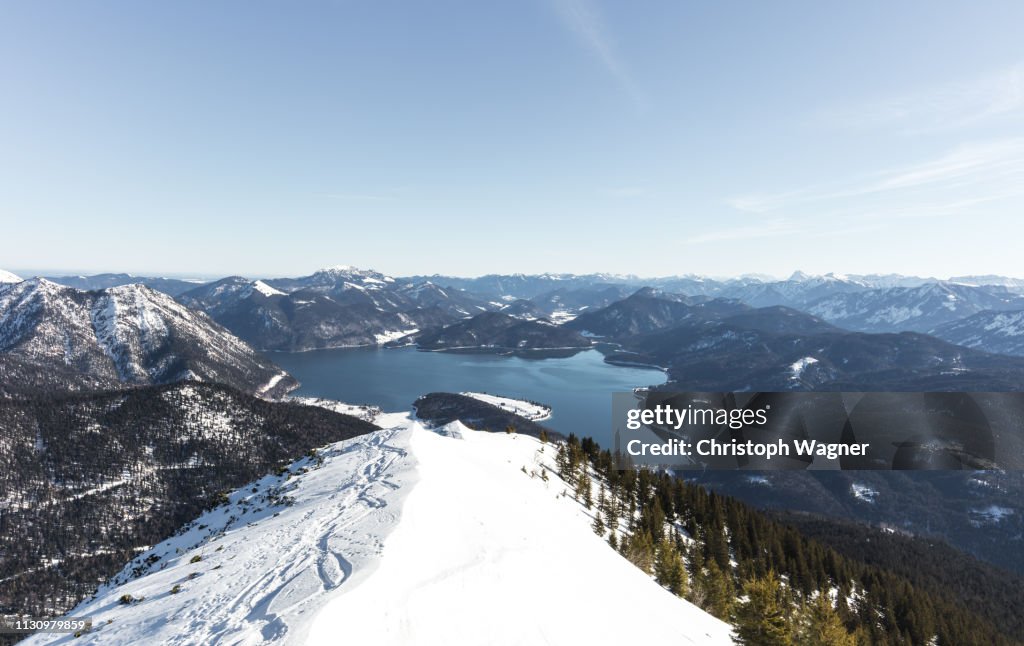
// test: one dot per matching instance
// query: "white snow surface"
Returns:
(863, 492)
(393, 335)
(362, 411)
(402, 536)
(272, 383)
(8, 277)
(266, 289)
(800, 365)
(520, 407)
(128, 332)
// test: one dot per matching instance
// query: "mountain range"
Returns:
(344, 306)
(1000, 332)
(500, 332)
(336, 307)
(178, 377)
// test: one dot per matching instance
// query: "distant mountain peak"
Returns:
(345, 270)
(646, 292)
(131, 334)
(337, 269)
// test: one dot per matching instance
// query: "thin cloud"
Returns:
(970, 172)
(945, 107)
(585, 20)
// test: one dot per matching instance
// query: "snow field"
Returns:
(403, 536)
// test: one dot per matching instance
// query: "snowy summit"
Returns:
(386, 539)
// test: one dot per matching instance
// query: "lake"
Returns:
(578, 388)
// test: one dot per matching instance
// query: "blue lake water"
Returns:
(577, 388)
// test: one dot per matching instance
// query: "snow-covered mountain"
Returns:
(330, 279)
(403, 536)
(170, 286)
(778, 348)
(132, 334)
(796, 291)
(271, 319)
(130, 467)
(351, 286)
(332, 308)
(917, 309)
(524, 286)
(500, 332)
(1000, 332)
(1013, 284)
(881, 281)
(8, 277)
(648, 310)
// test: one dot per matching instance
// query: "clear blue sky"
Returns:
(271, 138)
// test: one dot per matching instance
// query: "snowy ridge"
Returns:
(272, 384)
(362, 411)
(1001, 332)
(130, 333)
(266, 289)
(920, 308)
(8, 277)
(402, 536)
(353, 277)
(525, 409)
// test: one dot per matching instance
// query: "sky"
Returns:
(467, 138)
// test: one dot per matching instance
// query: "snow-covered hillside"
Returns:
(1001, 332)
(918, 309)
(403, 536)
(8, 277)
(129, 333)
(334, 308)
(527, 410)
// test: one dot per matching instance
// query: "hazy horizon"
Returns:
(563, 136)
(29, 273)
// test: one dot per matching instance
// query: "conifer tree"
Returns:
(719, 590)
(640, 551)
(669, 569)
(763, 618)
(821, 625)
(610, 519)
(562, 460)
(584, 489)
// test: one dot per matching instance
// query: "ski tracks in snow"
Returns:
(266, 574)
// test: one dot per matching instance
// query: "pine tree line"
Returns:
(771, 583)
